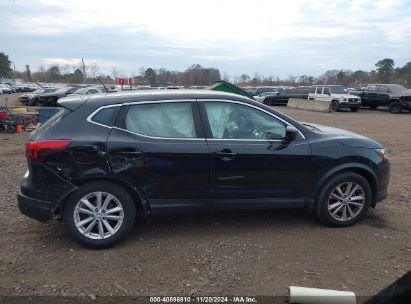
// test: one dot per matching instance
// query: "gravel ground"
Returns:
(236, 253)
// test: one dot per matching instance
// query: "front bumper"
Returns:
(34, 208)
(382, 195)
(350, 105)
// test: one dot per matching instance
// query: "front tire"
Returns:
(99, 214)
(335, 106)
(343, 200)
(395, 107)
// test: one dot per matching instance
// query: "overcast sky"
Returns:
(278, 38)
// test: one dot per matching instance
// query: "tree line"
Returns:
(196, 75)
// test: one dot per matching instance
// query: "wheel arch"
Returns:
(139, 199)
(360, 169)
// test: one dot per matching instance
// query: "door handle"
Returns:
(225, 154)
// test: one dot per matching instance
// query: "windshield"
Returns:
(80, 91)
(395, 88)
(63, 90)
(338, 90)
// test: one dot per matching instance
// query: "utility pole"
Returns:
(84, 70)
(14, 71)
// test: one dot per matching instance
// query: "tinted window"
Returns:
(319, 90)
(326, 91)
(106, 116)
(312, 90)
(235, 121)
(381, 89)
(172, 120)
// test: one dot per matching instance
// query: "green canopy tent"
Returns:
(225, 86)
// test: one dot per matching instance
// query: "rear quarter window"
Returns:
(106, 116)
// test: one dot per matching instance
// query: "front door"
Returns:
(252, 166)
(159, 148)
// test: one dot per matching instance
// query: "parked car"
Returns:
(265, 97)
(337, 95)
(6, 89)
(259, 90)
(101, 160)
(87, 91)
(20, 87)
(394, 96)
(50, 99)
(31, 99)
(283, 95)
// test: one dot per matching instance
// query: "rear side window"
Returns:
(319, 90)
(168, 120)
(106, 116)
(51, 117)
(312, 90)
(326, 91)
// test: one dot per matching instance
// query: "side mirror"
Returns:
(290, 133)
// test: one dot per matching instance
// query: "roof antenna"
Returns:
(99, 80)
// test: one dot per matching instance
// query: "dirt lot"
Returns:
(246, 253)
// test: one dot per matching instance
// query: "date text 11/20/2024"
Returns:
(203, 299)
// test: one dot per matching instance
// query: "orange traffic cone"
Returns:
(19, 129)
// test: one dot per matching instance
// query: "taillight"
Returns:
(37, 150)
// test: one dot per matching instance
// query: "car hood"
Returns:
(346, 137)
(30, 95)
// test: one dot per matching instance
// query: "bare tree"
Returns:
(93, 70)
(115, 73)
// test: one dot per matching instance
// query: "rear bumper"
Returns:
(34, 208)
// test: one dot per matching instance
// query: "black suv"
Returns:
(102, 159)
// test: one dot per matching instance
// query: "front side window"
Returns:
(381, 89)
(173, 120)
(326, 91)
(235, 121)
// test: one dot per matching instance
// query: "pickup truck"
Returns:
(394, 96)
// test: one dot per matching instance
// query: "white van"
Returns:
(337, 95)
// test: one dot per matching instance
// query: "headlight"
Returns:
(381, 153)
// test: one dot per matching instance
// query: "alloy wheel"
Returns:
(346, 201)
(98, 215)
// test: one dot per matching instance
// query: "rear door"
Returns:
(159, 148)
(252, 165)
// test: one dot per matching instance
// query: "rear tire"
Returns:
(346, 206)
(105, 207)
(395, 107)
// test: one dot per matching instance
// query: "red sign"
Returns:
(121, 81)
(130, 81)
